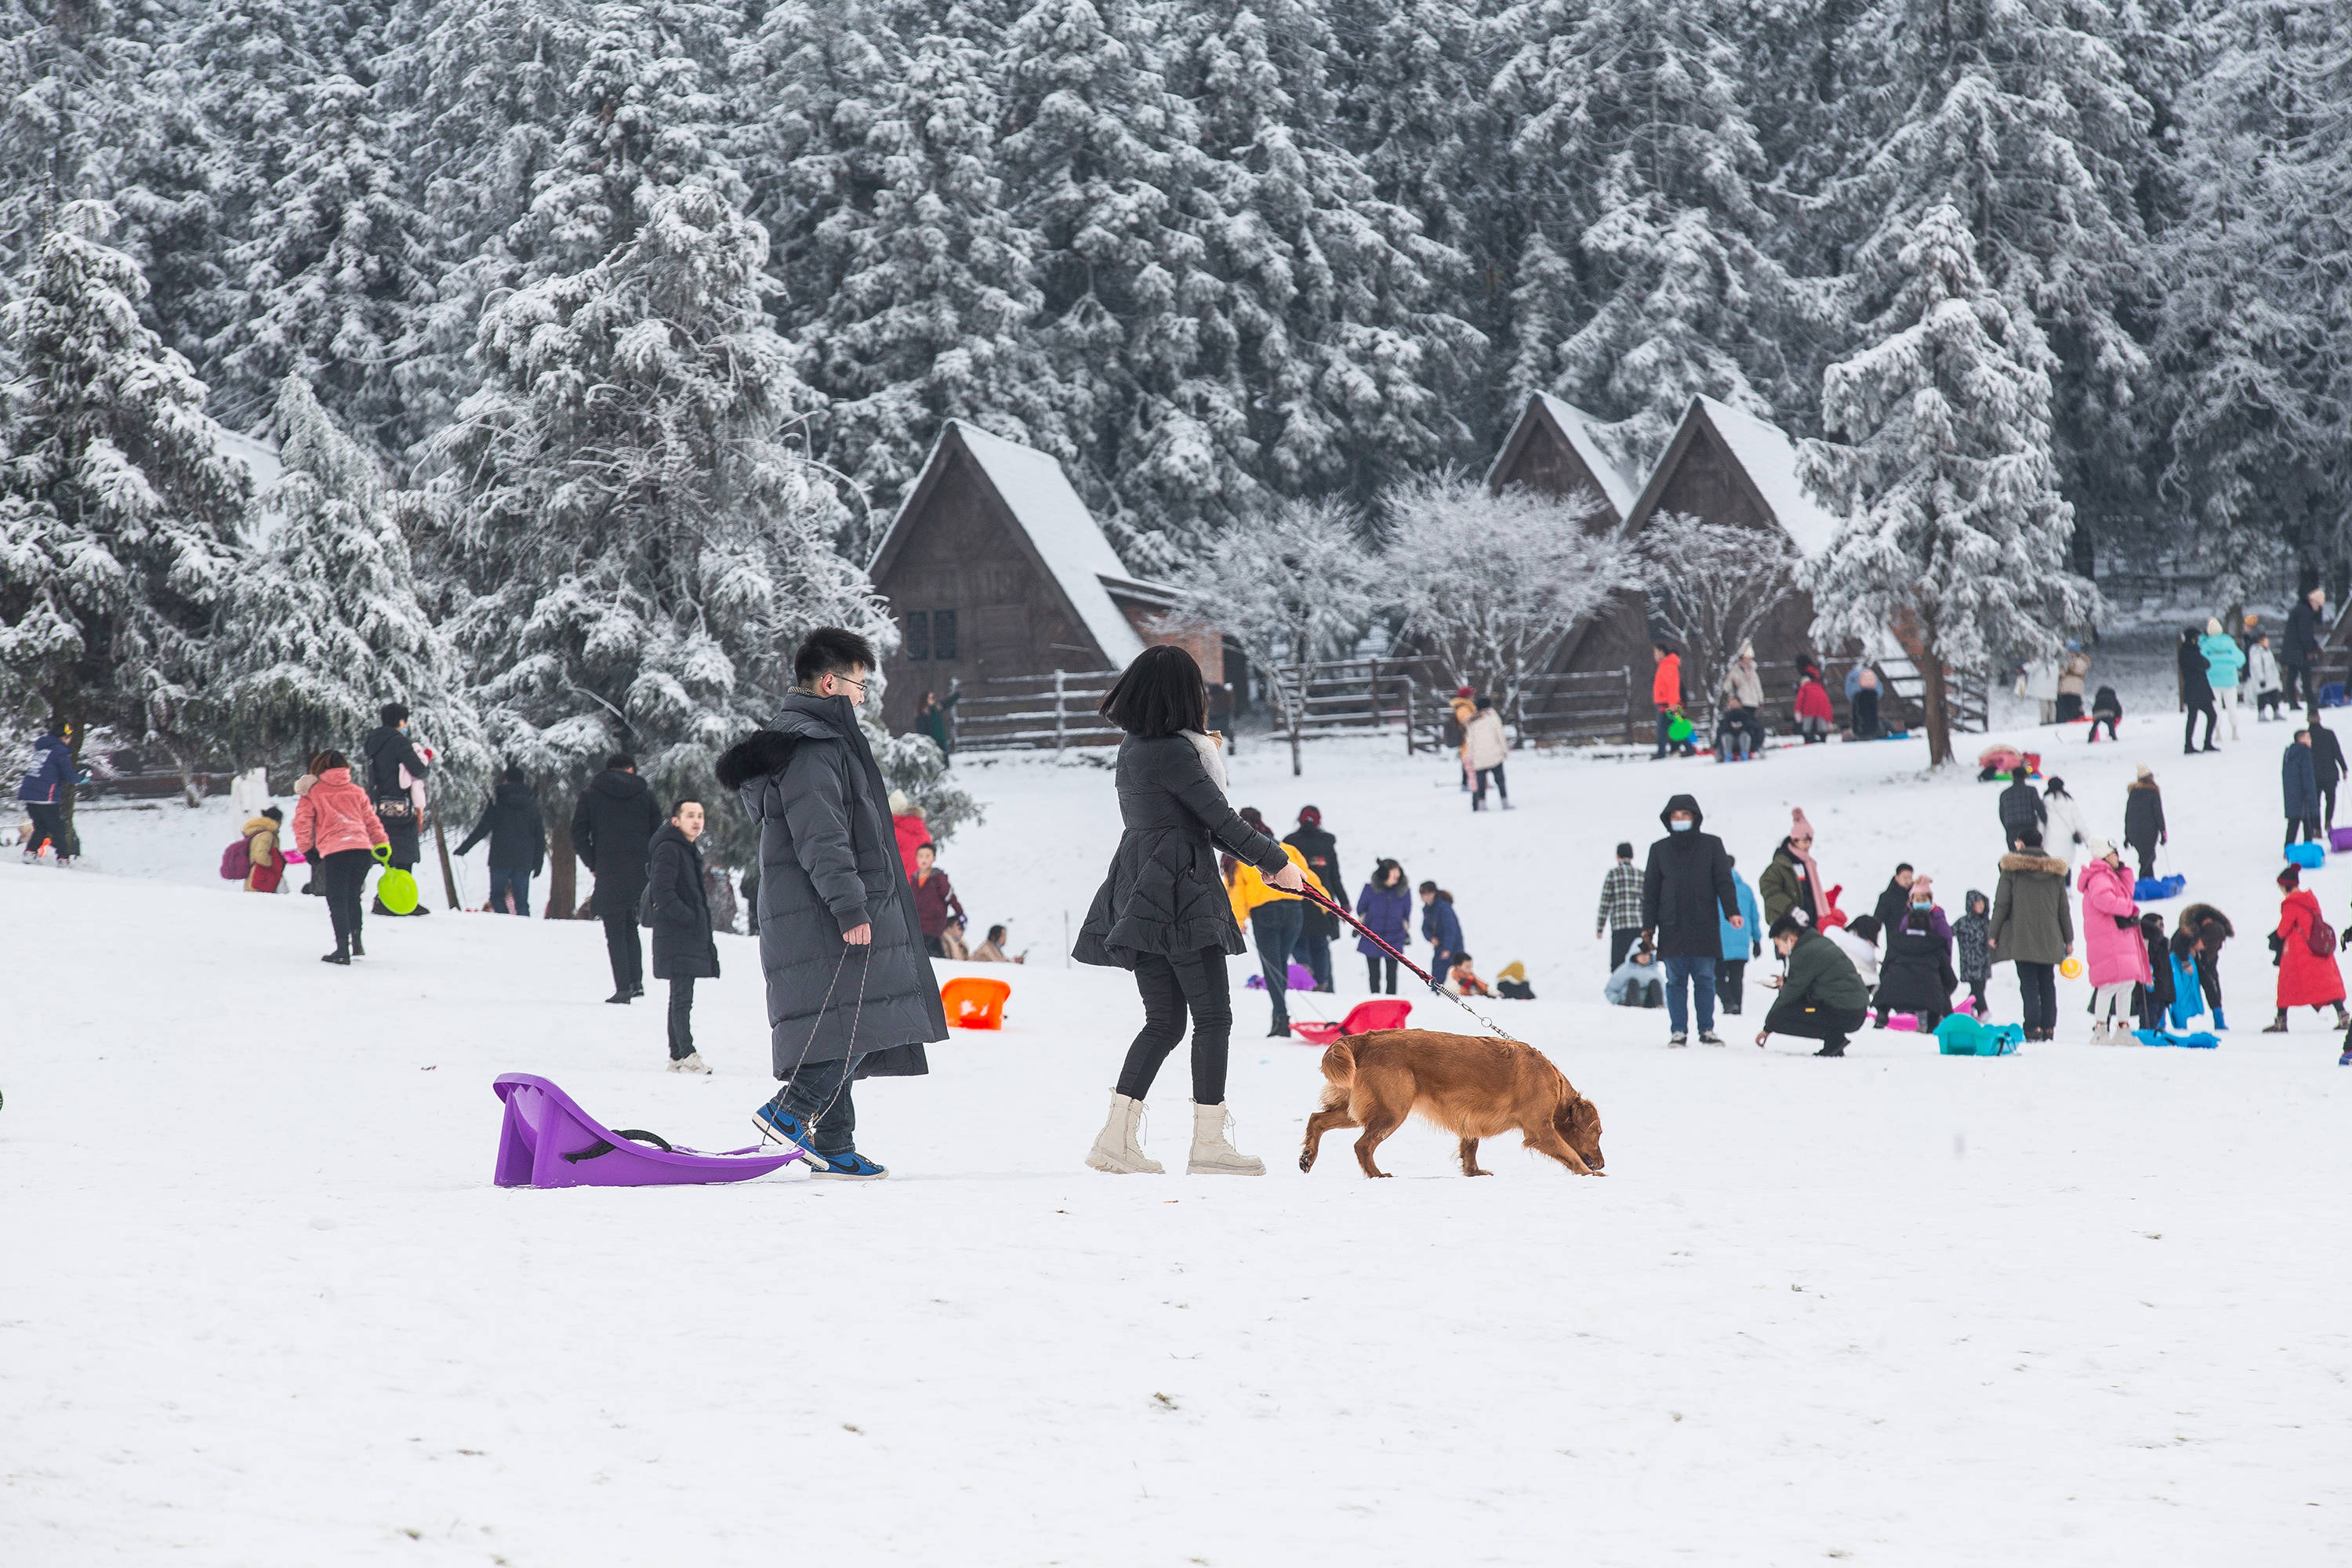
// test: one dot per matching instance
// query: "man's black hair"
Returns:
(1903, 866)
(996, 934)
(272, 813)
(1625, 851)
(1158, 694)
(830, 650)
(682, 802)
(514, 773)
(621, 763)
(1485, 703)
(391, 713)
(1786, 925)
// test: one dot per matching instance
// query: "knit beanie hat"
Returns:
(1798, 827)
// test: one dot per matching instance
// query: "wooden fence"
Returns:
(1031, 712)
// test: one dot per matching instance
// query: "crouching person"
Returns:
(1822, 998)
(850, 989)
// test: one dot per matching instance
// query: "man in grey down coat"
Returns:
(850, 991)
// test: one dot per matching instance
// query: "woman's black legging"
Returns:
(345, 872)
(2189, 731)
(1373, 962)
(1170, 988)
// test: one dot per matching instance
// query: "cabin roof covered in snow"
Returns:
(1616, 488)
(1765, 451)
(1069, 543)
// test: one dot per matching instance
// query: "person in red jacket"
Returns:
(337, 828)
(906, 823)
(936, 905)
(1816, 719)
(1666, 696)
(2306, 978)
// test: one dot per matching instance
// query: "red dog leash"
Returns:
(1317, 897)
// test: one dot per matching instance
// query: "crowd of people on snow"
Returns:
(1683, 928)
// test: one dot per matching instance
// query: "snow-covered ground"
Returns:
(261, 1304)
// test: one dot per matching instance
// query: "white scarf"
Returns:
(1207, 745)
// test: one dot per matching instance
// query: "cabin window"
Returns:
(919, 636)
(943, 633)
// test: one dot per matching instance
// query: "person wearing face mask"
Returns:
(1687, 899)
(1917, 973)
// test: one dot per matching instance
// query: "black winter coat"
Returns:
(683, 945)
(1915, 975)
(828, 864)
(2326, 756)
(2302, 643)
(2021, 808)
(387, 749)
(2196, 682)
(1686, 887)
(1322, 853)
(2299, 782)
(612, 833)
(517, 832)
(2143, 817)
(1164, 894)
(1894, 903)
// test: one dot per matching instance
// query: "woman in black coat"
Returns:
(1916, 975)
(1163, 913)
(2196, 692)
(684, 949)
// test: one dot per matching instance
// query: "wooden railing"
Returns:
(1015, 712)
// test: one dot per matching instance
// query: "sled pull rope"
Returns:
(1315, 895)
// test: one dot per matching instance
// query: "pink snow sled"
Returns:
(546, 1141)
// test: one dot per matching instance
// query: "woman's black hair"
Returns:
(2056, 786)
(1381, 873)
(1864, 927)
(1158, 694)
(1434, 888)
(996, 935)
(1255, 818)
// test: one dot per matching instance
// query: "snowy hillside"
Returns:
(264, 1306)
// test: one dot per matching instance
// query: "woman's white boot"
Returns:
(1211, 1156)
(1119, 1147)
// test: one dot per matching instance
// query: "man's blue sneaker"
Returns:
(778, 1125)
(850, 1167)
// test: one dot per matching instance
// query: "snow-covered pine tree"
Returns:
(1344, 363)
(1298, 585)
(334, 271)
(1956, 534)
(71, 113)
(118, 511)
(1491, 584)
(2240, 390)
(322, 625)
(2022, 116)
(641, 538)
(931, 284)
(1106, 166)
(1634, 144)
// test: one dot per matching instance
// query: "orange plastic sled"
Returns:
(974, 1004)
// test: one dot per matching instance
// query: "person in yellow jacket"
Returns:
(1279, 916)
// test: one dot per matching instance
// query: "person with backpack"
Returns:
(678, 909)
(2115, 958)
(42, 794)
(394, 766)
(612, 829)
(510, 820)
(337, 829)
(255, 859)
(2304, 948)
(2063, 834)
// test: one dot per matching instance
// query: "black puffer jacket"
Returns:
(1915, 976)
(517, 833)
(829, 863)
(612, 833)
(1164, 894)
(1322, 852)
(683, 945)
(1685, 886)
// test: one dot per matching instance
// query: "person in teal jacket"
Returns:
(1741, 943)
(2225, 662)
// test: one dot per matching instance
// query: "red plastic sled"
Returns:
(1381, 1013)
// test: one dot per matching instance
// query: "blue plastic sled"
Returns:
(2310, 857)
(2153, 889)
(2187, 994)
(1961, 1036)
(2200, 1041)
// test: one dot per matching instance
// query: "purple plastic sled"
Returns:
(546, 1141)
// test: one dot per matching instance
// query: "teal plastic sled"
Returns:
(2200, 1041)
(1961, 1036)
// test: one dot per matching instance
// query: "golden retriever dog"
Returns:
(1473, 1087)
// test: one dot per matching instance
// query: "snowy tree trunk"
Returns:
(1935, 702)
(1298, 705)
(562, 866)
